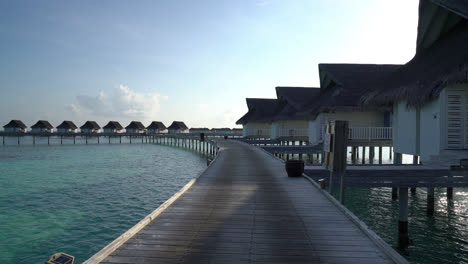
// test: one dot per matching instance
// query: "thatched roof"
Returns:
(90, 125)
(260, 110)
(135, 125)
(15, 124)
(178, 125)
(459, 7)
(113, 125)
(422, 79)
(343, 85)
(296, 96)
(42, 124)
(156, 125)
(293, 100)
(67, 125)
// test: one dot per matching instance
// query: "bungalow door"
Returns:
(457, 119)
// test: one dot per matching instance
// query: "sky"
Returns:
(193, 61)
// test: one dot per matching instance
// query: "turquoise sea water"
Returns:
(441, 239)
(78, 198)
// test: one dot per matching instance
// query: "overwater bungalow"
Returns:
(429, 94)
(90, 127)
(135, 127)
(156, 127)
(15, 126)
(341, 89)
(290, 121)
(198, 130)
(113, 127)
(67, 127)
(257, 121)
(178, 127)
(42, 126)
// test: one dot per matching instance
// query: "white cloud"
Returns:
(228, 116)
(121, 104)
(201, 106)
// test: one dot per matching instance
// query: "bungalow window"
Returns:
(457, 118)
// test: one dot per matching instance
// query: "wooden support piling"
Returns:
(98, 139)
(394, 193)
(413, 190)
(371, 154)
(86, 140)
(74, 140)
(18, 140)
(342, 188)
(403, 238)
(120, 139)
(380, 154)
(109, 140)
(450, 189)
(394, 189)
(430, 201)
(363, 154)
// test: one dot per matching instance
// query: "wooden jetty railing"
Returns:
(366, 133)
(171, 139)
(370, 133)
(400, 178)
(205, 146)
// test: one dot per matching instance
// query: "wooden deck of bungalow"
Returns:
(244, 209)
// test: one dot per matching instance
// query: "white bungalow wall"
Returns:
(133, 130)
(256, 130)
(88, 130)
(296, 127)
(424, 132)
(64, 130)
(355, 119)
(112, 130)
(178, 131)
(40, 129)
(418, 131)
(14, 129)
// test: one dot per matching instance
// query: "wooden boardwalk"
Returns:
(244, 209)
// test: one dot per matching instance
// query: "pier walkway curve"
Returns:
(244, 209)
